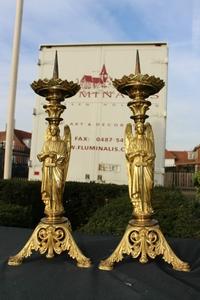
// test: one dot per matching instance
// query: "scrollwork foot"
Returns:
(105, 265)
(183, 266)
(15, 260)
(144, 242)
(84, 263)
(169, 256)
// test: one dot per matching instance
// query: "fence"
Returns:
(182, 180)
(20, 157)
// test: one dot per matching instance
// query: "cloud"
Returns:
(69, 21)
(46, 23)
(176, 22)
(165, 20)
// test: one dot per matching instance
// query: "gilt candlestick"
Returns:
(143, 237)
(53, 234)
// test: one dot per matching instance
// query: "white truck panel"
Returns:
(98, 114)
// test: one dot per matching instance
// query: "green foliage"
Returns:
(196, 180)
(111, 218)
(15, 215)
(20, 195)
(98, 208)
(177, 216)
(80, 200)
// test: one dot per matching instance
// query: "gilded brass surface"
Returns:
(140, 155)
(55, 156)
(50, 239)
(143, 237)
(143, 242)
(53, 233)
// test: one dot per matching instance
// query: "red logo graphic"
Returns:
(103, 80)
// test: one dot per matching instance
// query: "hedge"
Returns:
(98, 208)
(177, 216)
(80, 201)
(19, 198)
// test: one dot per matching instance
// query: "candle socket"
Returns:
(143, 237)
(53, 234)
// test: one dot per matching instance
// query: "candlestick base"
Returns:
(143, 241)
(51, 238)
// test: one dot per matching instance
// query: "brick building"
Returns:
(183, 161)
(21, 152)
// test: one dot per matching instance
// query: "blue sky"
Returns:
(176, 22)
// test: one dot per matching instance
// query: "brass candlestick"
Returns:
(53, 234)
(143, 237)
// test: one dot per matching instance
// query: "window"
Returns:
(191, 155)
(27, 142)
(109, 168)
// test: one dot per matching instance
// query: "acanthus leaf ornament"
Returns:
(53, 234)
(143, 237)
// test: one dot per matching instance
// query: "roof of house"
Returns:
(19, 134)
(169, 155)
(181, 157)
(2, 135)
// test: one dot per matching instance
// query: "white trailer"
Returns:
(98, 114)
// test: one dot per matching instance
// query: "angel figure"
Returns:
(140, 155)
(55, 156)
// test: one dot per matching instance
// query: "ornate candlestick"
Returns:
(143, 237)
(53, 233)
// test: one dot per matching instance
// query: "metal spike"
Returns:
(137, 64)
(55, 69)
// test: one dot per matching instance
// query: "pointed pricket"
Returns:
(55, 69)
(137, 65)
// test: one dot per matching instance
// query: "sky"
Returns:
(176, 22)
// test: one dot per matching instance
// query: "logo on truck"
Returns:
(98, 87)
(103, 80)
